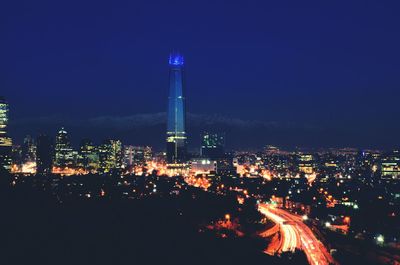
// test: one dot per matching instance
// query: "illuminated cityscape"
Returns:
(263, 142)
(305, 204)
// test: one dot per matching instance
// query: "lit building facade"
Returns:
(5, 140)
(176, 134)
(202, 166)
(212, 145)
(306, 163)
(16, 155)
(29, 150)
(110, 156)
(390, 165)
(136, 155)
(64, 155)
(88, 156)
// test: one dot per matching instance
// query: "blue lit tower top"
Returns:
(176, 59)
(176, 135)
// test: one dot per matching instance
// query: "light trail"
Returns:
(288, 234)
(297, 235)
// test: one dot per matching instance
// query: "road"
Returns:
(296, 235)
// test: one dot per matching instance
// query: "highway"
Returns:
(296, 235)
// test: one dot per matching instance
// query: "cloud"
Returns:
(126, 122)
(144, 120)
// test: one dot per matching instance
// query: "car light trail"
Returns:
(296, 235)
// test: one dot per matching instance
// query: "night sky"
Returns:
(290, 73)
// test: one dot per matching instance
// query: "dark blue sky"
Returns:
(324, 73)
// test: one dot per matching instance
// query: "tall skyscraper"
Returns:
(176, 134)
(5, 140)
(44, 154)
(88, 155)
(64, 155)
(110, 156)
(29, 150)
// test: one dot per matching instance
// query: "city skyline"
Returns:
(288, 68)
(200, 132)
(145, 129)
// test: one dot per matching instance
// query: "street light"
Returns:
(305, 217)
(380, 239)
(227, 216)
(327, 224)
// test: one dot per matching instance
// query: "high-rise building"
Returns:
(88, 155)
(148, 153)
(44, 154)
(136, 155)
(16, 155)
(390, 165)
(305, 163)
(29, 150)
(5, 140)
(64, 154)
(212, 145)
(176, 134)
(110, 156)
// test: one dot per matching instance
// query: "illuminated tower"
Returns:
(176, 135)
(29, 150)
(5, 141)
(64, 155)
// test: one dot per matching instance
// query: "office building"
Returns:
(64, 154)
(176, 134)
(110, 156)
(390, 165)
(5, 140)
(88, 156)
(305, 163)
(29, 150)
(212, 145)
(136, 155)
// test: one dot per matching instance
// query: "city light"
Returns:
(380, 239)
(294, 200)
